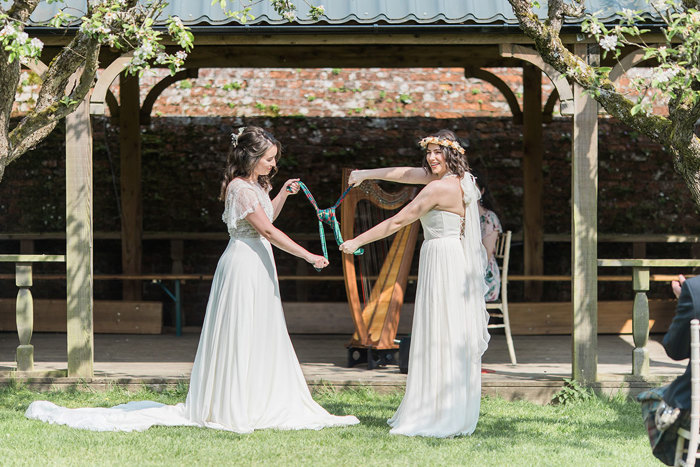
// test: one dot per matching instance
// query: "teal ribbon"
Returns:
(327, 216)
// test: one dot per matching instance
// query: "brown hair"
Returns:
(246, 150)
(456, 163)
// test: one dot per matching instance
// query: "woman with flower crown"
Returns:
(449, 335)
(246, 375)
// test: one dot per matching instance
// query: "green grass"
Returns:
(598, 431)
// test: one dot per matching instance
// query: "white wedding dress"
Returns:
(449, 335)
(246, 375)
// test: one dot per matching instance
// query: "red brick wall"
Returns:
(184, 152)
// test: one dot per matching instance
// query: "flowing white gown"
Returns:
(449, 335)
(246, 375)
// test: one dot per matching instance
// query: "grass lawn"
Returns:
(597, 431)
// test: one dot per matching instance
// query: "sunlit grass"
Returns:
(598, 431)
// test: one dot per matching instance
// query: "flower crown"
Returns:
(234, 136)
(442, 142)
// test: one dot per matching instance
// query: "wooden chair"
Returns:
(499, 308)
(692, 435)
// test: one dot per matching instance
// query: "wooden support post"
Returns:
(584, 228)
(79, 246)
(24, 316)
(130, 182)
(640, 321)
(533, 219)
(177, 254)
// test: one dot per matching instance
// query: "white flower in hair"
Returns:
(234, 136)
(442, 142)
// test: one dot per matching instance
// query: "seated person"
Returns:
(667, 408)
(677, 339)
(490, 228)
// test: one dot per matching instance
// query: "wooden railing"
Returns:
(639, 247)
(302, 276)
(640, 313)
(25, 303)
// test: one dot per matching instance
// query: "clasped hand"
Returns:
(291, 186)
(355, 178)
(349, 247)
(317, 261)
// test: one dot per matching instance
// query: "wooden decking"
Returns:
(166, 360)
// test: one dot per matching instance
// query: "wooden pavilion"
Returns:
(473, 35)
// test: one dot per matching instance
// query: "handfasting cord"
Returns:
(327, 216)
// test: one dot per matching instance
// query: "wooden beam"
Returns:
(614, 317)
(533, 217)
(348, 56)
(110, 317)
(130, 183)
(79, 246)
(548, 111)
(252, 37)
(162, 85)
(584, 228)
(559, 81)
(502, 86)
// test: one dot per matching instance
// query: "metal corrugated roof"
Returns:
(339, 12)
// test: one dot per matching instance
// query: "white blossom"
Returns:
(146, 49)
(181, 55)
(8, 31)
(659, 4)
(608, 42)
(86, 27)
(289, 15)
(627, 13)
(22, 38)
(594, 28)
(663, 75)
(37, 44)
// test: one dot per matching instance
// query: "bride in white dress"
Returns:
(246, 375)
(449, 335)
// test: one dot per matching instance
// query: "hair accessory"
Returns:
(234, 136)
(442, 142)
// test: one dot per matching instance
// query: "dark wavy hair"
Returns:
(482, 182)
(456, 163)
(245, 153)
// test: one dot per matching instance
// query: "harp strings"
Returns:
(369, 265)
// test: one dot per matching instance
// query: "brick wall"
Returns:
(185, 146)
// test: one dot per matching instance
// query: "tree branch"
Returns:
(558, 10)
(81, 53)
(20, 11)
(675, 132)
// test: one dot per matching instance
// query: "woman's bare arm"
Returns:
(407, 175)
(489, 242)
(278, 201)
(426, 200)
(258, 219)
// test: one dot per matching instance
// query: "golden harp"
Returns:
(375, 299)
